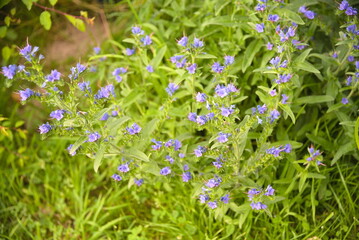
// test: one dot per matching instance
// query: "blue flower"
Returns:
(105, 117)
(186, 176)
(25, 94)
(139, 182)
(273, 18)
(146, 40)
(258, 205)
(45, 128)
(149, 69)
(114, 113)
(130, 51)
(225, 198)
(117, 72)
(212, 205)
(192, 68)
(269, 191)
(199, 151)
(227, 111)
(185, 167)
(183, 41)
(97, 50)
(269, 46)
(192, 117)
(273, 115)
(116, 177)
(105, 92)
(29, 52)
(123, 168)
(53, 76)
(284, 99)
(137, 31)
(203, 198)
(228, 60)
(345, 101)
(223, 137)
(93, 137)
(201, 97)
(260, 7)
(69, 149)
(307, 13)
(157, 146)
(260, 27)
(165, 171)
(197, 43)
(171, 88)
(350, 11)
(135, 129)
(213, 182)
(351, 58)
(84, 86)
(343, 5)
(57, 114)
(10, 71)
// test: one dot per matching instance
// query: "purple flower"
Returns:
(228, 60)
(199, 151)
(192, 68)
(225, 198)
(287, 148)
(203, 198)
(137, 31)
(269, 191)
(192, 117)
(116, 177)
(165, 171)
(273, 18)
(350, 11)
(182, 155)
(351, 59)
(135, 128)
(221, 91)
(25, 94)
(45, 128)
(213, 182)
(352, 28)
(212, 205)
(217, 164)
(9, 71)
(146, 40)
(75, 71)
(183, 41)
(150, 69)
(84, 86)
(57, 114)
(335, 55)
(260, 7)
(185, 167)
(197, 43)
(260, 27)
(177, 145)
(258, 206)
(114, 113)
(171, 88)
(227, 111)
(223, 137)
(28, 52)
(307, 13)
(117, 72)
(123, 168)
(130, 51)
(216, 67)
(283, 78)
(275, 151)
(252, 192)
(54, 75)
(262, 109)
(104, 117)
(274, 114)
(275, 62)
(170, 159)
(105, 92)
(345, 101)
(343, 5)
(273, 92)
(186, 176)
(93, 137)
(201, 97)
(284, 99)
(97, 50)
(138, 182)
(269, 46)
(157, 146)
(231, 88)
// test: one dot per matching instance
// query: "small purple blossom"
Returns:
(28, 52)
(258, 205)
(69, 150)
(223, 137)
(9, 71)
(25, 94)
(123, 168)
(53, 76)
(203, 198)
(260, 7)
(216, 67)
(201, 97)
(228, 60)
(93, 137)
(273, 18)
(192, 68)
(213, 182)
(116, 177)
(225, 112)
(104, 117)
(45, 128)
(105, 92)
(252, 193)
(150, 69)
(84, 86)
(185, 167)
(165, 171)
(269, 191)
(192, 117)
(343, 5)
(146, 40)
(273, 92)
(269, 46)
(212, 205)
(183, 41)
(157, 146)
(97, 50)
(134, 129)
(197, 43)
(260, 27)
(351, 59)
(345, 101)
(262, 109)
(130, 51)
(137, 31)
(186, 176)
(284, 99)
(199, 151)
(139, 182)
(57, 114)
(171, 88)
(225, 198)
(350, 11)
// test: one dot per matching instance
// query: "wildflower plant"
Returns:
(214, 121)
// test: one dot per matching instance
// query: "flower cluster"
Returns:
(258, 196)
(315, 156)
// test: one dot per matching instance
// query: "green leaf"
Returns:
(303, 56)
(335, 107)
(206, 56)
(157, 60)
(302, 180)
(99, 157)
(3, 30)
(250, 52)
(53, 2)
(28, 3)
(306, 66)
(6, 53)
(294, 17)
(114, 125)
(45, 20)
(356, 132)
(4, 2)
(314, 99)
(77, 23)
(343, 149)
(135, 153)
(316, 175)
(77, 144)
(287, 110)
